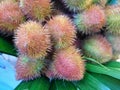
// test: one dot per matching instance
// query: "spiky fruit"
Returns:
(115, 43)
(77, 5)
(62, 30)
(113, 19)
(91, 20)
(101, 2)
(27, 68)
(10, 16)
(36, 9)
(67, 65)
(50, 72)
(112, 9)
(32, 39)
(97, 47)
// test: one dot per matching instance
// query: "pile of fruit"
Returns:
(56, 38)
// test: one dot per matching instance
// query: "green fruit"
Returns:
(113, 19)
(97, 47)
(115, 43)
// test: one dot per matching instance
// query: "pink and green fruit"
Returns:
(113, 19)
(98, 48)
(27, 68)
(91, 20)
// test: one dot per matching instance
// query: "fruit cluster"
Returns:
(53, 37)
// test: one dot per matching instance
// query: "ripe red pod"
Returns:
(10, 16)
(67, 65)
(32, 39)
(62, 31)
(36, 9)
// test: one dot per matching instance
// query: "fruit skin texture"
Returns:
(77, 5)
(101, 2)
(113, 19)
(32, 39)
(98, 48)
(91, 20)
(67, 65)
(62, 30)
(27, 68)
(36, 9)
(115, 43)
(10, 16)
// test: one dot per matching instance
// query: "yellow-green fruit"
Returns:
(32, 39)
(77, 5)
(113, 19)
(115, 43)
(98, 48)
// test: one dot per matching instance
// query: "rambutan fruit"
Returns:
(113, 19)
(77, 5)
(98, 48)
(32, 39)
(50, 72)
(36, 9)
(101, 2)
(27, 68)
(112, 9)
(91, 20)
(10, 16)
(62, 30)
(115, 43)
(67, 65)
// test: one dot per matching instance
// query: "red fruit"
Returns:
(10, 16)
(68, 65)
(32, 39)
(36, 9)
(62, 30)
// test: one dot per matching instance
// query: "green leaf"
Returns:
(41, 83)
(114, 64)
(114, 72)
(7, 47)
(112, 83)
(94, 61)
(90, 83)
(62, 85)
(24, 85)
